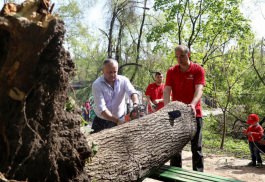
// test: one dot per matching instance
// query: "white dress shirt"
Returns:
(105, 97)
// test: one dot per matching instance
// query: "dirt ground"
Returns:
(229, 167)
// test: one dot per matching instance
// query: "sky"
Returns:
(255, 11)
(252, 9)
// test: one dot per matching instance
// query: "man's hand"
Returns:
(153, 107)
(119, 122)
(135, 107)
(156, 101)
(137, 112)
(193, 108)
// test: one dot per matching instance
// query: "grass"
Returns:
(212, 141)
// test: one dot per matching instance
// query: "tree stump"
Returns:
(39, 140)
(131, 151)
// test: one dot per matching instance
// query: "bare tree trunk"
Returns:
(139, 42)
(255, 68)
(131, 151)
(110, 35)
(39, 140)
(118, 45)
(223, 130)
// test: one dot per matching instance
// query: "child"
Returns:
(254, 133)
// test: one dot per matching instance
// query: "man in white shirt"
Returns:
(109, 96)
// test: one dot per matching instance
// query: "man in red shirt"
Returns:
(154, 93)
(185, 82)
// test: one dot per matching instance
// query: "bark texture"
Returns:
(131, 151)
(39, 140)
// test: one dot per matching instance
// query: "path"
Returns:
(229, 167)
(214, 112)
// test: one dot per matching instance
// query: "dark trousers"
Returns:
(101, 124)
(261, 147)
(196, 149)
(255, 153)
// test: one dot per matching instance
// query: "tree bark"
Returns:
(39, 140)
(131, 151)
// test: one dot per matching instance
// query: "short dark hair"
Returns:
(182, 48)
(158, 73)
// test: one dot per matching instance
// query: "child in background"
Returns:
(254, 133)
(87, 110)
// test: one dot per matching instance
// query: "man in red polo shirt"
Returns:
(154, 93)
(184, 83)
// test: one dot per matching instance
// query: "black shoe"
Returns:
(252, 163)
(259, 165)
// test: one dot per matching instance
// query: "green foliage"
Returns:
(94, 148)
(212, 139)
(83, 122)
(203, 25)
(83, 94)
(71, 9)
(146, 72)
(211, 123)
(70, 104)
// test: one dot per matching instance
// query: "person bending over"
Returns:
(109, 97)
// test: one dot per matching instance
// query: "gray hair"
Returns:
(110, 60)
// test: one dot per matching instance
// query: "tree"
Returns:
(204, 25)
(86, 48)
(211, 29)
(227, 79)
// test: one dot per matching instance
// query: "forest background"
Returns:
(141, 36)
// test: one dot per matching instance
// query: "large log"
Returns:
(131, 151)
(39, 140)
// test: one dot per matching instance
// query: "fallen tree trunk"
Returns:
(39, 140)
(131, 151)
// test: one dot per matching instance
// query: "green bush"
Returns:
(212, 140)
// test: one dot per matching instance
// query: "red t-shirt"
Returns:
(256, 133)
(155, 91)
(183, 84)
